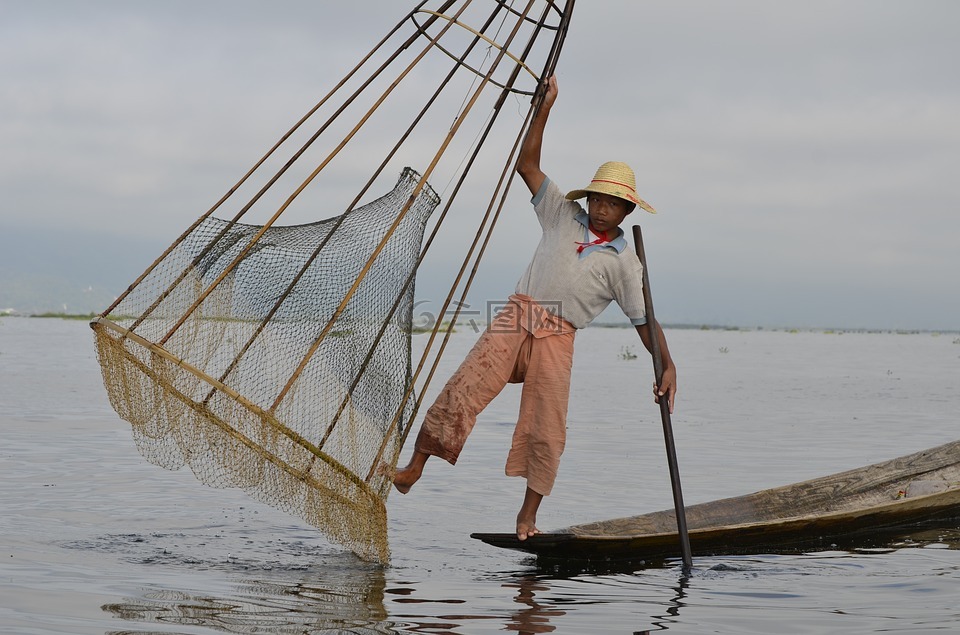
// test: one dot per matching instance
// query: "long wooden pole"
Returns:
(664, 407)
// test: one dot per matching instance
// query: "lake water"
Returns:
(93, 539)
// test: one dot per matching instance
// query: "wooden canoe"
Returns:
(840, 510)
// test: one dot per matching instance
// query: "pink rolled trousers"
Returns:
(524, 343)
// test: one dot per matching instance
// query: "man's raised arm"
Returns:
(528, 163)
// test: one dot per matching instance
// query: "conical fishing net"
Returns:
(278, 359)
(275, 326)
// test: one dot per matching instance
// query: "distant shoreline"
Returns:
(610, 325)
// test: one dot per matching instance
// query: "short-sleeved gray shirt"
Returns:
(579, 286)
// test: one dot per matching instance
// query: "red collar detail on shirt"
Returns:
(601, 238)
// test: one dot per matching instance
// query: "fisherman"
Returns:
(581, 264)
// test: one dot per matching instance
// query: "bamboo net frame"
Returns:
(277, 358)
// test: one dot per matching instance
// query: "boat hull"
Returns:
(840, 510)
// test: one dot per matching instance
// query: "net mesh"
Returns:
(278, 360)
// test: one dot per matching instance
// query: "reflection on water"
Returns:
(279, 585)
(357, 606)
(663, 622)
(535, 615)
(311, 606)
(331, 593)
(545, 599)
(263, 606)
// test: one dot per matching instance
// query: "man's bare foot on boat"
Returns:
(527, 518)
(526, 527)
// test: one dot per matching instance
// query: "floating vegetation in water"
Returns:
(626, 353)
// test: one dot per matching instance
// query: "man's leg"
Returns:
(539, 438)
(480, 378)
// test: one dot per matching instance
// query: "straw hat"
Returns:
(616, 179)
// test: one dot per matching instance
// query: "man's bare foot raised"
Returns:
(404, 479)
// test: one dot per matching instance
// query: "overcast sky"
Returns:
(804, 157)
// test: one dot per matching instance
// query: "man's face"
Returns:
(606, 212)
